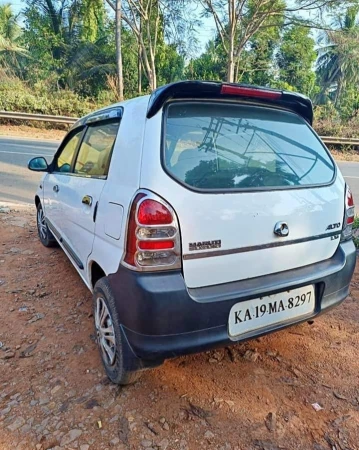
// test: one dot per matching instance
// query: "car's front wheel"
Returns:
(46, 237)
(121, 365)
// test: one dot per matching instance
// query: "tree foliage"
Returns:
(11, 50)
(296, 58)
(93, 14)
(70, 47)
(338, 61)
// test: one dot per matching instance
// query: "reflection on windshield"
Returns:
(243, 147)
(231, 177)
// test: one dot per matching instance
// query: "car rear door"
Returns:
(82, 192)
(255, 190)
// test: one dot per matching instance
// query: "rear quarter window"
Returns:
(219, 146)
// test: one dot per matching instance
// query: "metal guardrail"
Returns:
(332, 140)
(37, 117)
(329, 140)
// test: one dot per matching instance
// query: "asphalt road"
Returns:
(18, 184)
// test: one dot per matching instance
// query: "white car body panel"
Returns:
(77, 224)
(122, 183)
(239, 220)
(48, 180)
(51, 203)
(244, 219)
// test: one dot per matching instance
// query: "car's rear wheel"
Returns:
(120, 364)
(46, 237)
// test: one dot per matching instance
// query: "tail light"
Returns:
(153, 240)
(348, 215)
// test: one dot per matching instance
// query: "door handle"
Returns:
(87, 200)
(55, 188)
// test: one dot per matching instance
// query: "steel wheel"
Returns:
(105, 331)
(41, 224)
(121, 364)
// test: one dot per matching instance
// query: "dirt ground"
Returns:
(24, 131)
(348, 155)
(257, 395)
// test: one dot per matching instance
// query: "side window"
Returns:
(95, 152)
(64, 160)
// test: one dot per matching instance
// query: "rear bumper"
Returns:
(161, 318)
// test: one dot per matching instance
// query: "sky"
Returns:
(17, 4)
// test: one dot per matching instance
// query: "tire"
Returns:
(46, 237)
(121, 365)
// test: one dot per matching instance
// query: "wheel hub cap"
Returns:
(41, 224)
(105, 331)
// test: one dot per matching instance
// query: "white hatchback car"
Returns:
(200, 216)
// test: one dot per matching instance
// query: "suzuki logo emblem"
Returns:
(281, 229)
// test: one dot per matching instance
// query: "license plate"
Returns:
(265, 311)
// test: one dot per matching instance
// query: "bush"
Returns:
(327, 122)
(16, 96)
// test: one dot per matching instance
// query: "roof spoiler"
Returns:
(293, 101)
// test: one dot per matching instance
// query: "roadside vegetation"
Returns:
(71, 56)
(355, 232)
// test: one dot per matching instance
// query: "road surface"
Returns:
(18, 184)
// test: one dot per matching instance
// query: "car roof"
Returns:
(114, 110)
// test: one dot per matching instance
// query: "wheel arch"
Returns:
(37, 200)
(96, 272)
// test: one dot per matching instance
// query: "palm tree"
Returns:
(338, 61)
(10, 31)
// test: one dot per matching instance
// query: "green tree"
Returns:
(256, 64)
(296, 58)
(93, 20)
(338, 62)
(10, 34)
(211, 65)
(49, 29)
(170, 64)
(237, 22)
(93, 65)
(71, 44)
(253, 63)
(150, 21)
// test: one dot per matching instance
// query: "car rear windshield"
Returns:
(223, 146)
